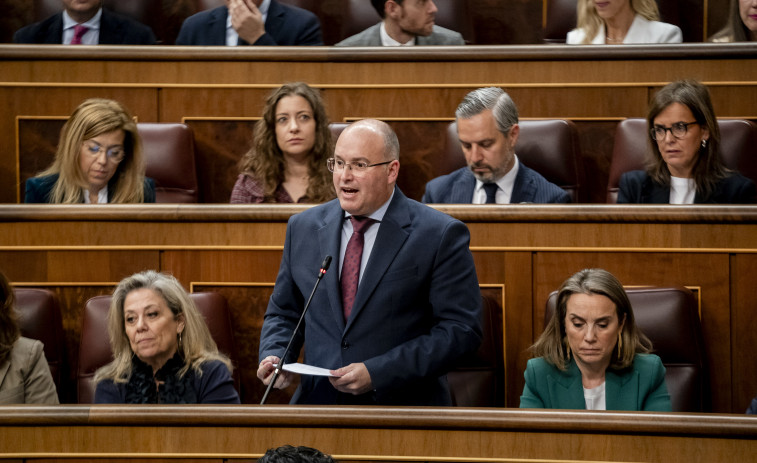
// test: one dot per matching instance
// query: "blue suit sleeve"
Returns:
(216, 385)
(107, 392)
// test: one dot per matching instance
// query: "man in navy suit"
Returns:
(87, 23)
(487, 126)
(417, 308)
(251, 22)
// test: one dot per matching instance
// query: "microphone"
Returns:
(324, 266)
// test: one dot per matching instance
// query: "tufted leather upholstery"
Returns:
(550, 147)
(94, 349)
(40, 319)
(738, 139)
(479, 380)
(170, 161)
(670, 319)
(560, 19)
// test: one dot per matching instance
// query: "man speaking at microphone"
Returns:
(401, 307)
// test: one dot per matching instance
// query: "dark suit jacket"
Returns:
(636, 187)
(640, 388)
(417, 309)
(458, 187)
(114, 30)
(284, 25)
(38, 189)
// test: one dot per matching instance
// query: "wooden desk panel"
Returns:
(521, 253)
(593, 85)
(211, 433)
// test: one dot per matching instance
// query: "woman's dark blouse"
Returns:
(214, 386)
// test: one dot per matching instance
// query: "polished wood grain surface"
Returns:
(219, 91)
(212, 433)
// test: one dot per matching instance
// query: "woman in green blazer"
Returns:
(591, 355)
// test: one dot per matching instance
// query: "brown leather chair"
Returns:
(561, 19)
(40, 319)
(95, 352)
(738, 139)
(548, 146)
(670, 319)
(170, 161)
(453, 14)
(478, 381)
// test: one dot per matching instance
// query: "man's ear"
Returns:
(391, 9)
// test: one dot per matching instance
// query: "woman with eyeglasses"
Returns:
(684, 163)
(287, 161)
(99, 160)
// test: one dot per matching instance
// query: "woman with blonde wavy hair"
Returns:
(287, 162)
(99, 160)
(616, 22)
(162, 349)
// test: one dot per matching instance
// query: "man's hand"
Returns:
(247, 20)
(352, 379)
(265, 373)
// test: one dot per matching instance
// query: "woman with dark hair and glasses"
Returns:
(99, 160)
(684, 164)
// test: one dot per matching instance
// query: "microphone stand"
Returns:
(324, 266)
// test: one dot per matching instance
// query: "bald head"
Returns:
(372, 145)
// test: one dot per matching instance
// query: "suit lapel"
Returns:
(109, 29)
(391, 237)
(329, 237)
(4, 367)
(657, 194)
(621, 392)
(462, 189)
(566, 390)
(55, 33)
(275, 19)
(524, 189)
(217, 26)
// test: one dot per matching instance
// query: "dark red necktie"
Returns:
(79, 32)
(351, 265)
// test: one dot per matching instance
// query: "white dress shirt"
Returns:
(91, 37)
(369, 237)
(505, 184)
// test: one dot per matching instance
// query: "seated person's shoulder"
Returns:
(444, 36)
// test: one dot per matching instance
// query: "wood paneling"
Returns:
(372, 434)
(522, 253)
(220, 92)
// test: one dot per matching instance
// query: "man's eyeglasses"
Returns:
(113, 154)
(337, 165)
(678, 130)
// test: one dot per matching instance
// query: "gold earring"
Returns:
(567, 350)
(179, 339)
(620, 345)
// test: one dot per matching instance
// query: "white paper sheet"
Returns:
(302, 369)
